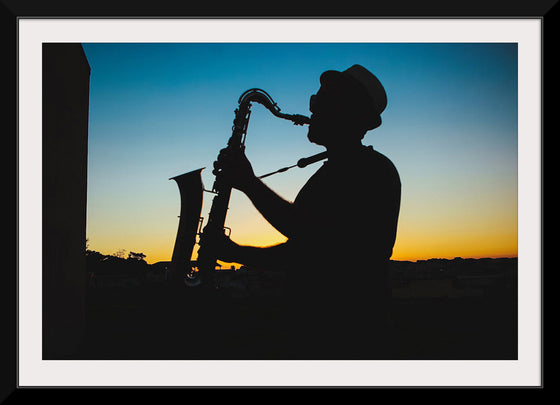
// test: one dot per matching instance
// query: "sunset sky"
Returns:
(158, 110)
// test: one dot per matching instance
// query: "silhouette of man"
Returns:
(341, 227)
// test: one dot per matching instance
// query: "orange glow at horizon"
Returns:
(419, 236)
(406, 248)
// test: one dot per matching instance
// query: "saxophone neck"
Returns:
(262, 97)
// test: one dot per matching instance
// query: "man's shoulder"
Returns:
(378, 160)
(374, 154)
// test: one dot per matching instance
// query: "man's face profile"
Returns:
(331, 116)
(324, 116)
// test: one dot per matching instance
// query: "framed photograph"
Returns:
(111, 110)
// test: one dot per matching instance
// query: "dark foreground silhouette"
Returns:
(461, 309)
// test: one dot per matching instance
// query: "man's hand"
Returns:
(224, 248)
(233, 167)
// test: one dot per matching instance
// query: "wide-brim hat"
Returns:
(366, 80)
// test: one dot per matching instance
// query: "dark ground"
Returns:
(157, 323)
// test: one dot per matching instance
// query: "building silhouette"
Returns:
(66, 74)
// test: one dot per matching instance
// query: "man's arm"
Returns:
(276, 210)
(271, 257)
(236, 169)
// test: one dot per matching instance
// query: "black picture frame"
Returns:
(11, 11)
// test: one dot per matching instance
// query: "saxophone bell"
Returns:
(190, 190)
(192, 279)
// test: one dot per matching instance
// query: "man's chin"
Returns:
(313, 138)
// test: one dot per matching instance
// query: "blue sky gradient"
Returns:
(159, 110)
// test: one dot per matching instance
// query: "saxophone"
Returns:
(199, 272)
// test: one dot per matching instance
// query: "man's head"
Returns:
(347, 105)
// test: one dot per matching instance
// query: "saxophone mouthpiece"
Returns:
(301, 119)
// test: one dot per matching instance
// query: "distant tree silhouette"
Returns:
(94, 256)
(134, 264)
(136, 256)
(119, 253)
